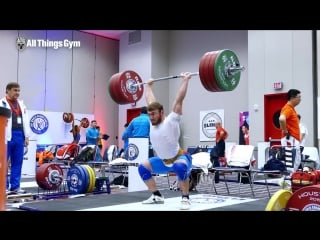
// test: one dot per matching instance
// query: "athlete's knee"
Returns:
(144, 172)
(181, 169)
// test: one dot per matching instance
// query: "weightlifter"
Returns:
(164, 137)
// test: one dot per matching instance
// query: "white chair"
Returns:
(313, 154)
(239, 159)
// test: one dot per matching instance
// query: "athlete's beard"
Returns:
(155, 123)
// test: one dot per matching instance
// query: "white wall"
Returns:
(171, 53)
(279, 56)
(64, 79)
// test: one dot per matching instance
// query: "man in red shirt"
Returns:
(221, 136)
(289, 124)
(219, 150)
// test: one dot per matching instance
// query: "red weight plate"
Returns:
(49, 176)
(305, 199)
(123, 88)
(114, 91)
(127, 81)
(71, 117)
(202, 61)
(211, 80)
(202, 70)
(85, 122)
(211, 73)
(67, 118)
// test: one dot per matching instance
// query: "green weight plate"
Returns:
(224, 60)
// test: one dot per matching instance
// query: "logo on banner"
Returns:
(209, 124)
(133, 151)
(39, 124)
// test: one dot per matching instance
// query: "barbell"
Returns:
(218, 71)
(69, 117)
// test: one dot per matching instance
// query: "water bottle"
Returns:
(108, 185)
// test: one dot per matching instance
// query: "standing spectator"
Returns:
(289, 124)
(93, 136)
(219, 150)
(140, 127)
(17, 135)
(221, 136)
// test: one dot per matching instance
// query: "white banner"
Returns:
(49, 127)
(138, 151)
(208, 121)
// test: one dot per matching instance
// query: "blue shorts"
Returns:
(159, 167)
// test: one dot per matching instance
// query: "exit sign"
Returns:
(277, 85)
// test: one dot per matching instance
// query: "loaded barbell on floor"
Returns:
(218, 71)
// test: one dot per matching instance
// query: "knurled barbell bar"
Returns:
(218, 71)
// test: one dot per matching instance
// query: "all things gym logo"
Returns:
(208, 121)
(22, 43)
(133, 152)
(39, 123)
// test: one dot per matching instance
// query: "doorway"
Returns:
(132, 113)
(272, 108)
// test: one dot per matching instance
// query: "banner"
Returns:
(244, 128)
(138, 151)
(208, 121)
(49, 127)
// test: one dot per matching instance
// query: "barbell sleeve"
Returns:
(233, 70)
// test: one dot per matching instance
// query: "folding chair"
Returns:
(274, 152)
(310, 157)
(238, 161)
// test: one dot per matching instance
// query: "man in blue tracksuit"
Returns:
(92, 137)
(17, 135)
(139, 127)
